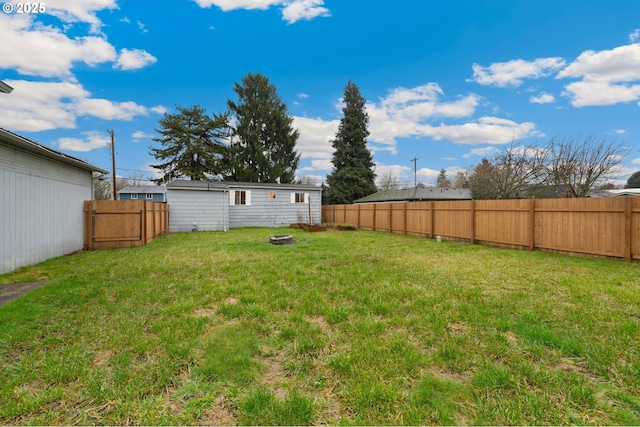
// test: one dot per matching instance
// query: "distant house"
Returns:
(150, 193)
(551, 192)
(204, 205)
(621, 192)
(419, 193)
(42, 194)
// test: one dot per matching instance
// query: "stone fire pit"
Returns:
(281, 239)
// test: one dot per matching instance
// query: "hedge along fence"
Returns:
(607, 227)
(112, 224)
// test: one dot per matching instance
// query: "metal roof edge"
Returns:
(33, 147)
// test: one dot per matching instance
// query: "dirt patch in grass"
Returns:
(102, 358)
(446, 375)
(219, 414)
(275, 375)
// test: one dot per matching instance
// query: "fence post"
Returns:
(375, 205)
(473, 222)
(87, 224)
(390, 217)
(405, 217)
(627, 228)
(358, 220)
(532, 224)
(433, 219)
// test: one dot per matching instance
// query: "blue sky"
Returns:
(447, 82)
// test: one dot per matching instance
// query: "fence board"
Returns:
(607, 227)
(112, 224)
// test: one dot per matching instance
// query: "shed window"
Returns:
(149, 196)
(134, 196)
(299, 197)
(240, 197)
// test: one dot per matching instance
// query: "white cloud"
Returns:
(543, 98)
(38, 106)
(635, 35)
(424, 174)
(92, 141)
(228, 5)
(303, 9)
(292, 10)
(406, 113)
(608, 76)
(319, 165)
(80, 11)
(138, 135)
(125, 20)
(134, 59)
(303, 95)
(35, 49)
(398, 171)
(511, 73)
(109, 110)
(159, 109)
(142, 27)
(620, 131)
(480, 152)
(636, 161)
(315, 137)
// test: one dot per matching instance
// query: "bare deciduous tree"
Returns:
(388, 181)
(582, 162)
(516, 169)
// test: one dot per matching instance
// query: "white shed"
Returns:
(42, 192)
(204, 205)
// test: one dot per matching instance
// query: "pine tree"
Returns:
(443, 181)
(263, 144)
(193, 145)
(352, 176)
(633, 181)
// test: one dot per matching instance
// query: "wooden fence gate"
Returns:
(112, 224)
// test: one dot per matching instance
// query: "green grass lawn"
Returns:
(342, 327)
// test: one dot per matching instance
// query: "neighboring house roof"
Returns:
(5, 88)
(20, 142)
(551, 192)
(139, 189)
(616, 193)
(185, 184)
(417, 193)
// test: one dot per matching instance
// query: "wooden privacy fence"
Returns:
(607, 227)
(112, 224)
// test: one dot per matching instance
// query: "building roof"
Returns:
(139, 189)
(417, 193)
(14, 140)
(616, 193)
(5, 88)
(185, 184)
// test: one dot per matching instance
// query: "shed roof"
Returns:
(417, 193)
(185, 184)
(143, 189)
(14, 140)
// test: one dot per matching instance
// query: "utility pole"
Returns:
(113, 163)
(415, 174)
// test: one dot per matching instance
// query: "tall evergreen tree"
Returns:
(352, 176)
(633, 181)
(263, 143)
(192, 142)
